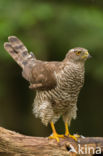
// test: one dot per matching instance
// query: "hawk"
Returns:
(57, 84)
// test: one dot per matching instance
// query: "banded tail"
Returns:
(19, 52)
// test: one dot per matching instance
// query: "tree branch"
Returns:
(18, 144)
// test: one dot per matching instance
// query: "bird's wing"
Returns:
(42, 75)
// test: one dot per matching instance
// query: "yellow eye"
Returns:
(78, 53)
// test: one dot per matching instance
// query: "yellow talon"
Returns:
(67, 132)
(73, 137)
(55, 135)
(61, 136)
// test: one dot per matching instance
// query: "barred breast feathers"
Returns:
(69, 82)
(62, 98)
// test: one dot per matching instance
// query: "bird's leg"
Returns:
(66, 129)
(67, 133)
(55, 134)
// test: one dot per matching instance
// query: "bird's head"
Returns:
(78, 55)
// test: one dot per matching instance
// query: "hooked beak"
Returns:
(89, 56)
(86, 55)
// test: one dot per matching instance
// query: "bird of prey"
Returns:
(57, 84)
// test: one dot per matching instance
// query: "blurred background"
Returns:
(49, 29)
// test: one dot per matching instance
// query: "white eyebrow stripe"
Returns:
(72, 50)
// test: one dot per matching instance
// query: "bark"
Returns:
(16, 144)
